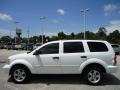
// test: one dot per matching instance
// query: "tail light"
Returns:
(115, 60)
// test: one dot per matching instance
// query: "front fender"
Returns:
(91, 61)
(23, 62)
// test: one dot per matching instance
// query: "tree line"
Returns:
(101, 34)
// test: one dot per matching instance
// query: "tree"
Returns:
(5, 39)
(47, 39)
(61, 35)
(79, 35)
(35, 39)
(90, 35)
(39, 39)
(101, 34)
(72, 35)
(25, 40)
(114, 37)
(53, 38)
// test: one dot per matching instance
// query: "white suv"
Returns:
(91, 58)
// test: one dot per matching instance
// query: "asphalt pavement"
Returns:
(55, 82)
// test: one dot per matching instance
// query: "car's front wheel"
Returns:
(20, 74)
(93, 75)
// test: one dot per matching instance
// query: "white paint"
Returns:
(71, 63)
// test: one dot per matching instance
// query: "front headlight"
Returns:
(8, 61)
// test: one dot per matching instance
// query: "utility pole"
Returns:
(84, 17)
(15, 29)
(28, 32)
(10, 36)
(42, 29)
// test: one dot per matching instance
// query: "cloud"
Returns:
(106, 13)
(109, 8)
(119, 12)
(50, 33)
(55, 21)
(115, 22)
(61, 11)
(5, 17)
(112, 28)
(114, 25)
(5, 32)
(37, 34)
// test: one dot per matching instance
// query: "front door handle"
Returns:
(83, 56)
(55, 57)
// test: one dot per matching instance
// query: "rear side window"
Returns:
(97, 47)
(73, 47)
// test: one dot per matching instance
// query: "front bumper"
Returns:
(6, 68)
(112, 69)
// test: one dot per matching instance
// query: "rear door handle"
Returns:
(83, 56)
(55, 57)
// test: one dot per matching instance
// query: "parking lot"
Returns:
(55, 82)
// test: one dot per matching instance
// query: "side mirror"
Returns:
(28, 52)
(37, 52)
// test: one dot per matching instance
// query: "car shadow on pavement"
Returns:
(58, 79)
(110, 79)
(2, 62)
(69, 79)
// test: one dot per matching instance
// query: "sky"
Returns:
(60, 15)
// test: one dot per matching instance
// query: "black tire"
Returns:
(88, 73)
(26, 71)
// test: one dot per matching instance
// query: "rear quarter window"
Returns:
(97, 47)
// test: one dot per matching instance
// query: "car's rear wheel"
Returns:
(93, 75)
(20, 74)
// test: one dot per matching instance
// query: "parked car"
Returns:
(5, 46)
(23, 46)
(91, 58)
(30, 47)
(116, 48)
(1, 46)
(9, 46)
(17, 46)
(37, 45)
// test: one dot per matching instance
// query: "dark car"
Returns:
(116, 48)
(29, 47)
(1, 46)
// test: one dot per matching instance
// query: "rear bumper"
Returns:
(112, 69)
(6, 68)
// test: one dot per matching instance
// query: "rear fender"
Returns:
(92, 61)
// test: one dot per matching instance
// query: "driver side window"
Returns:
(50, 49)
